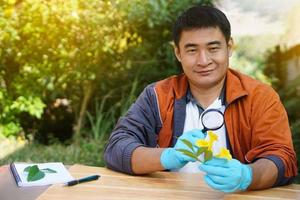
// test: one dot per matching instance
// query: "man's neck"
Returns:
(206, 96)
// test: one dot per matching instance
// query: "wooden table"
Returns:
(113, 185)
(161, 185)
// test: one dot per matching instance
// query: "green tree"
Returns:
(275, 68)
(289, 92)
(81, 50)
(58, 48)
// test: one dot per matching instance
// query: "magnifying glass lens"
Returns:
(212, 120)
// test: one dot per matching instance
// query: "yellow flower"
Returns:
(202, 143)
(224, 153)
(212, 136)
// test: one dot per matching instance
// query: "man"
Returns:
(256, 129)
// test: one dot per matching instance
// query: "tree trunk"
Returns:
(88, 91)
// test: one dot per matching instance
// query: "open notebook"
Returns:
(62, 175)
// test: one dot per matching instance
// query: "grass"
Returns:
(88, 152)
(9, 145)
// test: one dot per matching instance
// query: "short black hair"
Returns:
(201, 17)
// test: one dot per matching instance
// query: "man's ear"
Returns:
(177, 53)
(230, 46)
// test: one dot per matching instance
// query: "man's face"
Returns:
(204, 56)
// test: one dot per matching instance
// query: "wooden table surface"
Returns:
(160, 185)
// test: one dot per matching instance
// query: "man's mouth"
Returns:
(204, 72)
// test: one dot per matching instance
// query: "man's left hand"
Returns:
(227, 175)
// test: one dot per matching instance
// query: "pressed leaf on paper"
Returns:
(35, 174)
(48, 170)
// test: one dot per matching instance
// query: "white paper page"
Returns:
(61, 176)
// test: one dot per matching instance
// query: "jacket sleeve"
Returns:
(139, 127)
(273, 139)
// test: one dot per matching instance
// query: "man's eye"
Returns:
(214, 49)
(191, 50)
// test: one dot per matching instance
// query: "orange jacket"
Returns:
(255, 119)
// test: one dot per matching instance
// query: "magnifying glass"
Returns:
(212, 119)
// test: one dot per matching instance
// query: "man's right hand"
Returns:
(172, 159)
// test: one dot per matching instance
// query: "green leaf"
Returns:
(48, 170)
(188, 143)
(27, 169)
(187, 153)
(208, 156)
(200, 151)
(35, 174)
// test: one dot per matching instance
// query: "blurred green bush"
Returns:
(76, 52)
(276, 68)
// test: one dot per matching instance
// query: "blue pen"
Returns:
(82, 180)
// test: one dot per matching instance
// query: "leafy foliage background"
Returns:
(78, 51)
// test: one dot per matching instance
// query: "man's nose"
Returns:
(203, 58)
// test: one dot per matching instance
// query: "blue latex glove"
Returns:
(227, 175)
(172, 159)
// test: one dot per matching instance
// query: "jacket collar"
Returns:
(234, 86)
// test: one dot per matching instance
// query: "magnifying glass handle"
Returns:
(204, 131)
